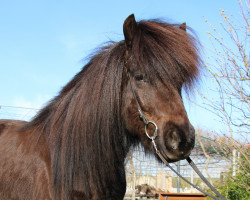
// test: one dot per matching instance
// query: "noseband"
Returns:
(154, 136)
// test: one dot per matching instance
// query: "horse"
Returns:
(75, 147)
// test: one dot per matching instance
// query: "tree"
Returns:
(228, 66)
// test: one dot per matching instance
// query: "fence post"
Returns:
(178, 178)
(234, 162)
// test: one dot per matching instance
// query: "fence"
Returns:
(144, 170)
(17, 113)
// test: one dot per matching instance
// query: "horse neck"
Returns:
(86, 142)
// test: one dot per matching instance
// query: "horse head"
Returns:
(159, 61)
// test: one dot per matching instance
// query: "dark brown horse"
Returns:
(75, 147)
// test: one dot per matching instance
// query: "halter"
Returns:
(154, 136)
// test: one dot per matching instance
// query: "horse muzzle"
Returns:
(176, 142)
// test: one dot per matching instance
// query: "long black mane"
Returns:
(83, 125)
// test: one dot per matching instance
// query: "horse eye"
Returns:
(139, 77)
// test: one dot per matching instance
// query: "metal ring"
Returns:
(155, 131)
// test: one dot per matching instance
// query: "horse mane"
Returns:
(83, 126)
(168, 52)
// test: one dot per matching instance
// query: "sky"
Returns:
(44, 43)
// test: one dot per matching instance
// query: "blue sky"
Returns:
(43, 43)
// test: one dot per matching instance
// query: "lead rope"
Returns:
(197, 172)
(152, 138)
(191, 163)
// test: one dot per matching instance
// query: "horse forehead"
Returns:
(158, 89)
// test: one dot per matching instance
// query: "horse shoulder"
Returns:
(24, 173)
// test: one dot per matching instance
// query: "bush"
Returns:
(237, 187)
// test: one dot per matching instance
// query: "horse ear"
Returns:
(183, 26)
(130, 29)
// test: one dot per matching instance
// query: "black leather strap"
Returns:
(141, 115)
(191, 163)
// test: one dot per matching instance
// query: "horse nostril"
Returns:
(179, 140)
(174, 139)
(174, 145)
